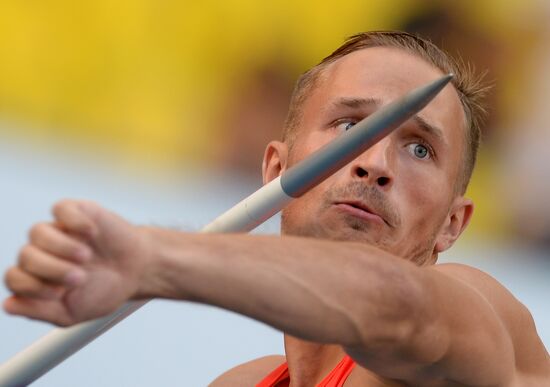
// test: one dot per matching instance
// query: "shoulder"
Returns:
(501, 299)
(530, 353)
(475, 278)
(249, 373)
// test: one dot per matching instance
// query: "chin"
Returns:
(349, 231)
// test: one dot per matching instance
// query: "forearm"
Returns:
(394, 318)
(324, 291)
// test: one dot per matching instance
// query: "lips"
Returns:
(360, 210)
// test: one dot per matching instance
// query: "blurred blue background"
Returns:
(160, 112)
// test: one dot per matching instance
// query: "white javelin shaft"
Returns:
(37, 359)
(50, 350)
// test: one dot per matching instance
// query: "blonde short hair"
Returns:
(471, 89)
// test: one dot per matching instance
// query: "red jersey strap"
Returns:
(276, 376)
(339, 374)
(336, 378)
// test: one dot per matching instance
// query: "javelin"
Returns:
(46, 353)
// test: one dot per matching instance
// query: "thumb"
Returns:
(77, 217)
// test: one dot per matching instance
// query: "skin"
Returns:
(342, 279)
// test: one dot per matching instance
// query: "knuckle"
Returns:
(64, 322)
(89, 203)
(15, 283)
(25, 251)
(70, 214)
(26, 255)
(59, 207)
(37, 231)
(9, 277)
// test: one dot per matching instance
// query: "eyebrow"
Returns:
(357, 103)
(428, 128)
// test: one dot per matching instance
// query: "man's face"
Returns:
(400, 194)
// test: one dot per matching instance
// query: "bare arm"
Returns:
(401, 321)
(395, 318)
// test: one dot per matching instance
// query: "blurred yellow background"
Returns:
(170, 85)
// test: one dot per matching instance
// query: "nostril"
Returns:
(382, 181)
(361, 172)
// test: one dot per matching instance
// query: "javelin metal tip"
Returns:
(444, 79)
(426, 93)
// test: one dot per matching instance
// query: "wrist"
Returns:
(146, 273)
(166, 257)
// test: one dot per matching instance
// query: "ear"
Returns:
(275, 160)
(456, 222)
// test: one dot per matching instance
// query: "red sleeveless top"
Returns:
(336, 378)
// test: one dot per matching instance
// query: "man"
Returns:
(352, 282)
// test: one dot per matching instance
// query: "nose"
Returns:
(375, 166)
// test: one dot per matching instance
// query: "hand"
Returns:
(84, 265)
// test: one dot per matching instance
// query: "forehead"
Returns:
(385, 74)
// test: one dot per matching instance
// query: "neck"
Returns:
(308, 362)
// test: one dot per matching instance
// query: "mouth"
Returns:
(360, 210)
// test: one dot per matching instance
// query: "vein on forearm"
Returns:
(318, 290)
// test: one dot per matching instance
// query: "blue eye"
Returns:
(420, 151)
(346, 125)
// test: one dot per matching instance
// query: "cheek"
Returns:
(296, 216)
(423, 195)
(305, 211)
(311, 201)
(307, 144)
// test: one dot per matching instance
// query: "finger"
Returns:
(45, 310)
(49, 268)
(72, 218)
(24, 284)
(54, 241)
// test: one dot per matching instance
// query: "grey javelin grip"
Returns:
(327, 160)
(52, 349)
